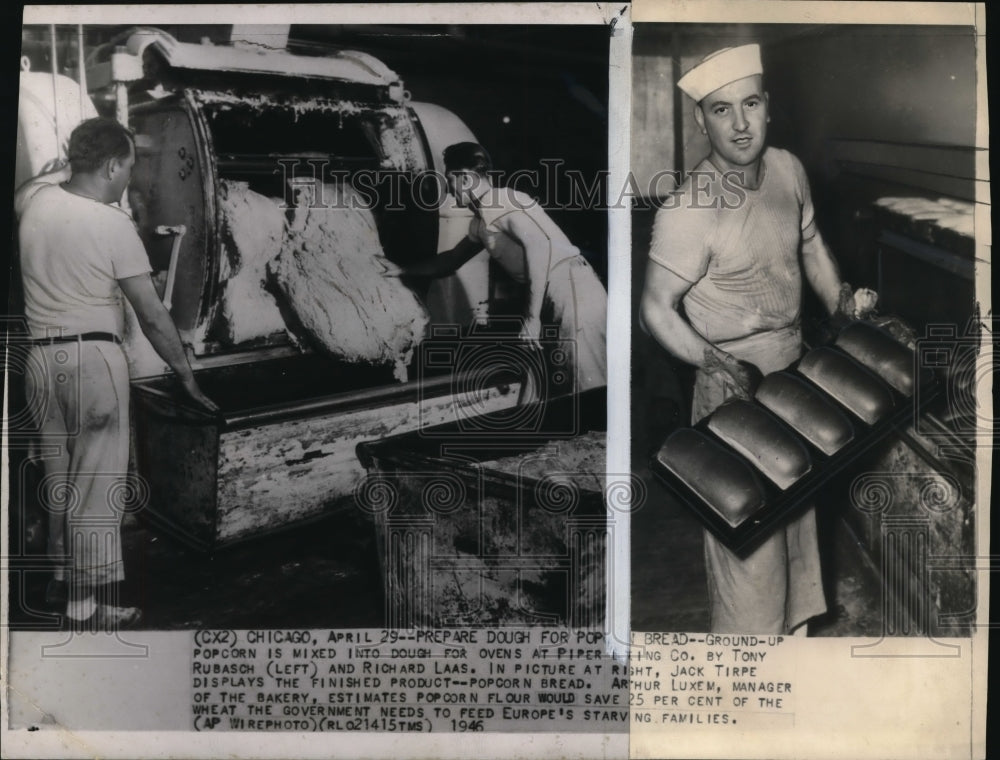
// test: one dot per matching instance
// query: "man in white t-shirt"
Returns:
(78, 254)
(723, 292)
(517, 233)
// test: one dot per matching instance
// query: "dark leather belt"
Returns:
(105, 336)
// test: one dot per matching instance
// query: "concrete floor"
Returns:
(669, 591)
(326, 575)
(321, 575)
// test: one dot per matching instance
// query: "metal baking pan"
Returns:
(741, 523)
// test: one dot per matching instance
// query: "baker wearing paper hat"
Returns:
(720, 68)
(732, 107)
(729, 256)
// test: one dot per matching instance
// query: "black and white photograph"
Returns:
(565, 379)
(290, 187)
(811, 376)
(307, 333)
(805, 253)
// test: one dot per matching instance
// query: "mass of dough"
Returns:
(329, 273)
(253, 228)
(865, 301)
(579, 460)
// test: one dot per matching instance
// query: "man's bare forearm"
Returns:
(159, 328)
(660, 313)
(674, 333)
(821, 272)
(156, 324)
(444, 263)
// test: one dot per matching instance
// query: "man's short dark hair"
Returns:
(465, 156)
(96, 140)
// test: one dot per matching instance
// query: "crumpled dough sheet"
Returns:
(580, 460)
(256, 225)
(328, 272)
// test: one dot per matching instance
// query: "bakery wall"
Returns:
(908, 85)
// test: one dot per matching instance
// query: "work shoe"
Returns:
(106, 618)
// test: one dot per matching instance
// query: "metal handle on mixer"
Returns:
(178, 231)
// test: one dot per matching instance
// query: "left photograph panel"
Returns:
(307, 327)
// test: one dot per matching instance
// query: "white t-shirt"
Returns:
(73, 252)
(739, 247)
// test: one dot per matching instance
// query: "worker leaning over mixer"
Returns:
(523, 239)
(78, 254)
(723, 292)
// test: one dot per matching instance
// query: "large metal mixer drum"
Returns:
(196, 140)
(222, 121)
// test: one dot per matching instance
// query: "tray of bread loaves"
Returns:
(751, 464)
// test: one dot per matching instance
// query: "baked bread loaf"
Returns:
(807, 411)
(763, 439)
(880, 352)
(853, 386)
(726, 483)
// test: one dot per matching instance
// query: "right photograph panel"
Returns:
(805, 330)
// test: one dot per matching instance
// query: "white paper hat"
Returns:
(719, 69)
